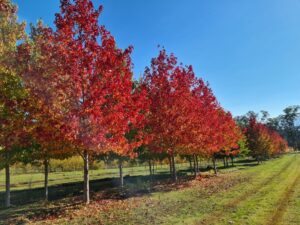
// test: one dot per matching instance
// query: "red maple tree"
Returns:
(182, 109)
(262, 141)
(92, 79)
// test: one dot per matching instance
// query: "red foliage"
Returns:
(262, 141)
(184, 116)
(87, 81)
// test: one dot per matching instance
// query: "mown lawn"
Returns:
(245, 194)
(36, 180)
(28, 188)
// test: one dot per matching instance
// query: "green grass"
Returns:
(35, 180)
(28, 188)
(244, 194)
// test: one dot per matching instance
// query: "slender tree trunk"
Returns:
(174, 168)
(195, 166)
(171, 166)
(214, 165)
(232, 161)
(150, 167)
(153, 168)
(7, 182)
(191, 166)
(224, 162)
(197, 163)
(121, 173)
(86, 188)
(46, 168)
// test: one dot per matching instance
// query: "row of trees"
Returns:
(264, 142)
(286, 124)
(70, 91)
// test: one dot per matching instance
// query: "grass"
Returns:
(36, 180)
(28, 188)
(244, 194)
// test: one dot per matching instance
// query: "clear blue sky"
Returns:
(248, 50)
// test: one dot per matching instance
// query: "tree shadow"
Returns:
(138, 183)
(28, 204)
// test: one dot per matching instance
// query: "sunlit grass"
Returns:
(244, 194)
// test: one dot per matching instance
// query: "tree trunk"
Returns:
(121, 173)
(232, 161)
(46, 168)
(86, 188)
(195, 166)
(7, 182)
(197, 163)
(174, 169)
(224, 162)
(214, 165)
(153, 168)
(191, 165)
(150, 167)
(171, 166)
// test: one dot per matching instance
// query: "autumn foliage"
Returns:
(70, 90)
(13, 97)
(262, 141)
(185, 117)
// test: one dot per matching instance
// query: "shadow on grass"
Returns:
(29, 203)
(56, 192)
(133, 184)
(109, 186)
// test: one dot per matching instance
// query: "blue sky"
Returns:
(248, 50)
